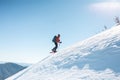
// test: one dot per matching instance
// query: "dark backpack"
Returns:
(54, 39)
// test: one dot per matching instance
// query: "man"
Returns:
(56, 40)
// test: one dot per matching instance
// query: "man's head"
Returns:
(58, 35)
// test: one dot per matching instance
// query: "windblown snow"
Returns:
(96, 58)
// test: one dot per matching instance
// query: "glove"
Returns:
(60, 42)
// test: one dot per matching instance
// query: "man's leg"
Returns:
(56, 46)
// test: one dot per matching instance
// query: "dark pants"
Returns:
(56, 46)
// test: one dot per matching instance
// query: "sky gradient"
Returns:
(28, 26)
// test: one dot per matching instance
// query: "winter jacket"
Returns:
(57, 39)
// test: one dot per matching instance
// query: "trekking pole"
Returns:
(60, 43)
(58, 46)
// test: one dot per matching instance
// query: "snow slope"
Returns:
(96, 58)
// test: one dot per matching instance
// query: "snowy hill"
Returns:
(96, 58)
(8, 69)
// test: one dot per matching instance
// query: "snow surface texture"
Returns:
(96, 58)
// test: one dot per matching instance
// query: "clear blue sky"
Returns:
(28, 26)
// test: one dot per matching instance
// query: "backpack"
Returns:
(54, 39)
